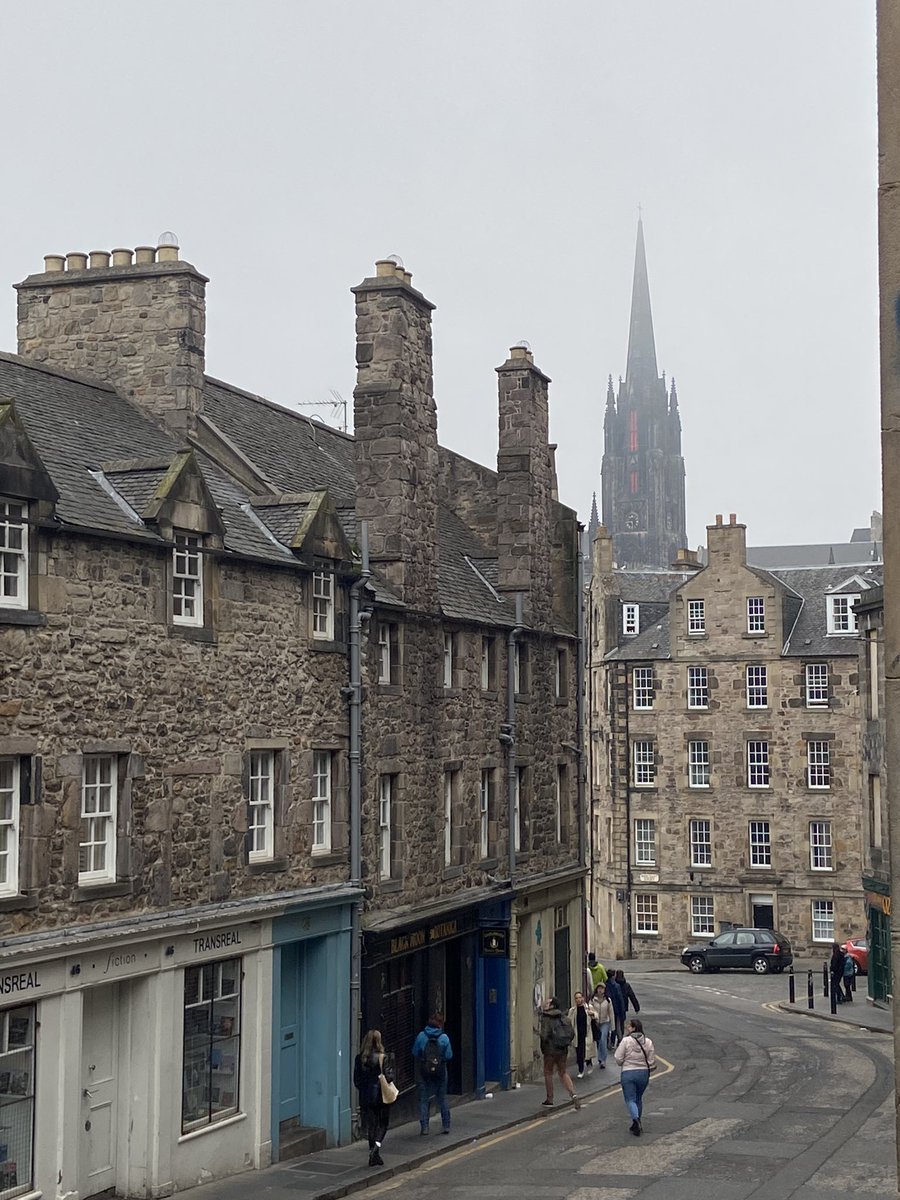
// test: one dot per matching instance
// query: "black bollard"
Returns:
(810, 1000)
(833, 996)
(825, 980)
(792, 991)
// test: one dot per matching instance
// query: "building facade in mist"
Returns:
(258, 789)
(643, 469)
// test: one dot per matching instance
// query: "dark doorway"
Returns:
(763, 912)
(562, 980)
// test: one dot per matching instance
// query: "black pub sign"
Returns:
(494, 943)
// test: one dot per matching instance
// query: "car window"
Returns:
(763, 937)
(724, 939)
(745, 938)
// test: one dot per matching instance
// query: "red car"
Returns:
(858, 949)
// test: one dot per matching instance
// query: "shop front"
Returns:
(456, 963)
(878, 924)
(137, 1058)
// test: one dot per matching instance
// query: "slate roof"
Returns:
(804, 606)
(466, 591)
(777, 558)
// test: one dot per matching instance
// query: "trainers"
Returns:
(423, 1130)
(447, 1130)
(546, 1103)
(576, 1102)
(602, 1066)
(635, 1128)
(581, 1074)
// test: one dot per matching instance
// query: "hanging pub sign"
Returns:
(494, 943)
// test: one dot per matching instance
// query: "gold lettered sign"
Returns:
(494, 943)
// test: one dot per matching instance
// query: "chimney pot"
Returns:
(54, 262)
(732, 518)
(718, 518)
(76, 262)
(385, 268)
(99, 258)
(144, 254)
(121, 257)
(407, 277)
(167, 254)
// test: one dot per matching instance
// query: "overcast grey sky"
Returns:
(501, 148)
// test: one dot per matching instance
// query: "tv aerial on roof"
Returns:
(337, 404)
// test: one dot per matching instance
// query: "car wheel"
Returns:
(761, 966)
(697, 964)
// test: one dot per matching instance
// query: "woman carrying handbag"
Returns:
(377, 1091)
(637, 1058)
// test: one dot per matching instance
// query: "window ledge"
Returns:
(328, 858)
(23, 901)
(561, 701)
(490, 694)
(388, 886)
(196, 1133)
(389, 689)
(21, 616)
(452, 872)
(753, 637)
(325, 646)
(86, 892)
(193, 633)
(523, 697)
(489, 864)
(448, 693)
(266, 866)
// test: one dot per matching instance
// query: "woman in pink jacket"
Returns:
(637, 1058)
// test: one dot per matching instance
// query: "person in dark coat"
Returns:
(849, 974)
(616, 997)
(374, 1114)
(836, 970)
(627, 991)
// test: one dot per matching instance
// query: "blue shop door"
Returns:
(289, 1039)
(496, 1020)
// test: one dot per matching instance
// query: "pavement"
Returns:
(343, 1170)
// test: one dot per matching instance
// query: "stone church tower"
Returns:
(643, 470)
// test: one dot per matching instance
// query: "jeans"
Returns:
(600, 1042)
(634, 1084)
(373, 1120)
(436, 1090)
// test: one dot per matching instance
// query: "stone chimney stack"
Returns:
(395, 432)
(525, 485)
(727, 543)
(602, 552)
(133, 319)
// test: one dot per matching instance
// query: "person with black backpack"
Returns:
(557, 1034)
(432, 1051)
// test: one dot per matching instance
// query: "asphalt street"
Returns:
(754, 1102)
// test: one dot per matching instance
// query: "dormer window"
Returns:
(840, 615)
(13, 553)
(696, 617)
(631, 620)
(187, 579)
(323, 606)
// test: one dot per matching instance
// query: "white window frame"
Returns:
(821, 847)
(703, 916)
(187, 578)
(643, 763)
(484, 810)
(646, 912)
(759, 765)
(696, 618)
(840, 617)
(13, 553)
(385, 825)
(487, 656)
(644, 842)
(261, 805)
(822, 919)
(756, 614)
(760, 838)
(449, 657)
(97, 826)
(448, 818)
(757, 679)
(698, 687)
(323, 787)
(698, 763)
(631, 620)
(818, 765)
(10, 800)
(816, 676)
(700, 835)
(517, 810)
(642, 687)
(323, 606)
(384, 652)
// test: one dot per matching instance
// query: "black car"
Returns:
(762, 950)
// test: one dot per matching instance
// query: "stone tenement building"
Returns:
(642, 470)
(724, 748)
(288, 735)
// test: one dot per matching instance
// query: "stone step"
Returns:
(296, 1140)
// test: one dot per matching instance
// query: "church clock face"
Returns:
(632, 520)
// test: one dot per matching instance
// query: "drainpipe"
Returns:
(579, 738)
(508, 737)
(355, 756)
(628, 769)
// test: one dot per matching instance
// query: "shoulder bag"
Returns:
(389, 1089)
(644, 1052)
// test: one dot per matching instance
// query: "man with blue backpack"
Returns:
(432, 1051)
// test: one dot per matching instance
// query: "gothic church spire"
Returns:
(641, 368)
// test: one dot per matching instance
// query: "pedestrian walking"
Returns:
(637, 1058)
(432, 1051)
(557, 1034)
(582, 1016)
(849, 973)
(616, 997)
(596, 971)
(628, 992)
(601, 1024)
(836, 971)
(374, 1114)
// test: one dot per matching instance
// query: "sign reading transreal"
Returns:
(36, 980)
